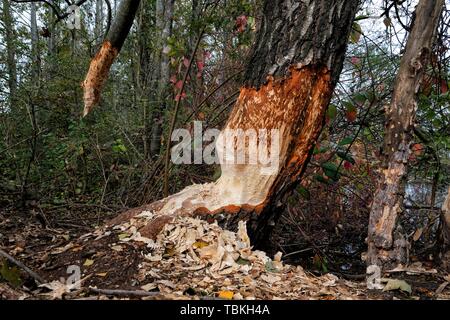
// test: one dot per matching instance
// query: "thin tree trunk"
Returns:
(34, 45)
(31, 108)
(10, 51)
(164, 18)
(98, 19)
(296, 62)
(387, 246)
(144, 75)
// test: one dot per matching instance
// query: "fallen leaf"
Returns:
(441, 287)
(117, 248)
(62, 249)
(270, 278)
(394, 284)
(200, 244)
(88, 263)
(278, 256)
(149, 286)
(102, 274)
(123, 236)
(226, 295)
(58, 289)
(77, 248)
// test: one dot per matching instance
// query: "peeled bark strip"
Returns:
(295, 65)
(100, 65)
(386, 245)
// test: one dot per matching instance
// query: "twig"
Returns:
(175, 114)
(309, 240)
(33, 274)
(297, 252)
(114, 292)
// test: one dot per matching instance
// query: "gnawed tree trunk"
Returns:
(446, 220)
(444, 232)
(289, 81)
(100, 65)
(387, 246)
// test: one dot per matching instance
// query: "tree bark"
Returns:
(164, 19)
(98, 20)
(100, 65)
(446, 221)
(444, 234)
(10, 51)
(296, 61)
(144, 74)
(36, 65)
(387, 246)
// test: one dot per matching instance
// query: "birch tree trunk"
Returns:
(387, 246)
(296, 62)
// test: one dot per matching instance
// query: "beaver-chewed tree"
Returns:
(387, 246)
(295, 64)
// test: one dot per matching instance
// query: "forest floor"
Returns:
(190, 259)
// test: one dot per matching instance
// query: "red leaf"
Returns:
(347, 165)
(186, 62)
(241, 23)
(417, 149)
(351, 115)
(356, 60)
(183, 95)
(173, 79)
(179, 84)
(200, 65)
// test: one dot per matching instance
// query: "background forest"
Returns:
(68, 171)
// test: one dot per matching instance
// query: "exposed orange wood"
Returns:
(295, 105)
(97, 75)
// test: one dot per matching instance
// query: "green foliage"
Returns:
(331, 170)
(10, 274)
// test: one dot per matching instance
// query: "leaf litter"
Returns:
(191, 259)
